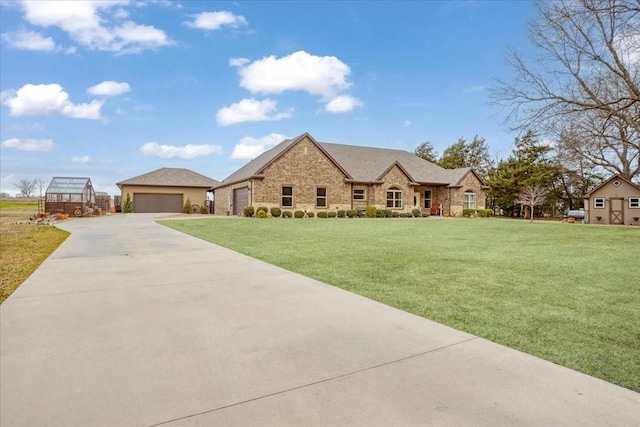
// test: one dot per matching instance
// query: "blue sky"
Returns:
(112, 90)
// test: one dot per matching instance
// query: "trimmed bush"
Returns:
(468, 213)
(286, 214)
(322, 214)
(262, 208)
(387, 213)
(360, 213)
(395, 214)
(204, 210)
(262, 214)
(276, 212)
(425, 214)
(380, 213)
(371, 211)
(351, 213)
(309, 214)
(187, 207)
(248, 211)
(416, 213)
(127, 206)
(341, 213)
(298, 214)
(485, 213)
(331, 214)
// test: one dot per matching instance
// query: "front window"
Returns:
(634, 202)
(358, 194)
(287, 197)
(598, 203)
(321, 197)
(469, 201)
(394, 198)
(427, 199)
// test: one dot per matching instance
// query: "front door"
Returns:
(616, 211)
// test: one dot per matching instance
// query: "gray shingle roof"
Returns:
(363, 164)
(171, 177)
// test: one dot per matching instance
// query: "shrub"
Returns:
(341, 213)
(387, 213)
(351, 213)
(468, 212)
(425, 214)
(331, 214)
(276, 212)
(261, 214)
(309, 214)
(395, 214)
(380, 213)
(485, 213)
(248, 211)
(127, 206)
(286, 214)
(416, 213)
(204, 210)
(298, 214)
(262, 208)
(360, 213)
(322, 214)
(187, 206)
(371, 211)
(405, 215)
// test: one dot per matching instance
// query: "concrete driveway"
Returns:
(130, 323)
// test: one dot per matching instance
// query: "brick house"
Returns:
(303, 174)
(615, 201)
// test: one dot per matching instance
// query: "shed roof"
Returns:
(67, 185)
(606, 181)
(170, 177)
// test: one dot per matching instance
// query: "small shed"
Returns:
(616, 201)
(72, 196)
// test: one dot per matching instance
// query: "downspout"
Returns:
(449, 201)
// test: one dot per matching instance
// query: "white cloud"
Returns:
(325, 76)
(249, 147)
(85, 23)
(45, 100)
(238, 62)
(109, 88)
(29, 144)
(29, 40)
(81, 159)
(188, 151)
(249, 110)
(216, 20)
(478, 88)
(407, 123)
(342, 104)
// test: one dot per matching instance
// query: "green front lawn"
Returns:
(568, 293)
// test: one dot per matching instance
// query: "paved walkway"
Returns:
(130, 323)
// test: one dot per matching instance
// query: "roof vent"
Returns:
(616, 183)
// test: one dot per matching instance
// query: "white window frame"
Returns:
(395, 201)
(283, 196)
(359, 196)
(598, 203)
(634, 202)
(322, 198)
(469, 202)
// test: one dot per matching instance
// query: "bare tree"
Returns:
(40, 185)
(26, 186)
(532, 196)
(584, 79)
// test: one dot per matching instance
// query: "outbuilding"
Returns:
(616, 201)
(69, 195)
(166, 190)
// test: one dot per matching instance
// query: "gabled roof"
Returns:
(607, 181)
(359, 164)
(68, 185)
(171, 177)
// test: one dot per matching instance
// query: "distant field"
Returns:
(568, 293)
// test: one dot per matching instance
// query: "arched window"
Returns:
(469, 200)
(394, 198)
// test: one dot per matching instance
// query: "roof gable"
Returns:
(608, 181)
(170, 177)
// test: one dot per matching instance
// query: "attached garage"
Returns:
(240, 200)
(151, 203)
(167, 190)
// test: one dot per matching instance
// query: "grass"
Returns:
(23, 247)
(567, 293)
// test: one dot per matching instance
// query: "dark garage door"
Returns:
(153, 203)
(240, 200)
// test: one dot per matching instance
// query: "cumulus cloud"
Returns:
(188, 151)
(29, 40)
(87, 23)
(249, 147)
(249, 110)
(342, 104)
(216, 20)
(49, 99)
(109, 88)
(29, 144)
(325, 76)
(81, 159)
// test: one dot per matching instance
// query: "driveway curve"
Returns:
(129, 323)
